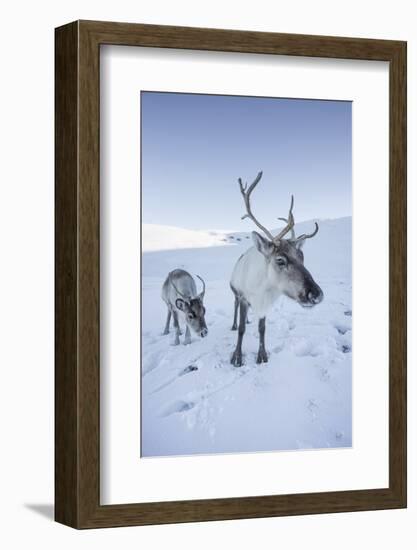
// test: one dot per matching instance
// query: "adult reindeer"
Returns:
(274, 266)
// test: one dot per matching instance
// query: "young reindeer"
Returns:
(179, 292)
(274, 266)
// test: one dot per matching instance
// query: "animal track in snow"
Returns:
(190, 368)
(324, 375)
(344, 346)
(313, 408)
(278, 348)
(179, 406)
(303, 347)
(342, 329)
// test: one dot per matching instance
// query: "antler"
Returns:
(304, 235)
(290, 223)
(246, 193)
(201, 295)
(293, 237)
(308, 236)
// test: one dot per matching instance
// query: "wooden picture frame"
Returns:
(77, 371)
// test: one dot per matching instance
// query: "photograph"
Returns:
(208, 263)
(246, 274)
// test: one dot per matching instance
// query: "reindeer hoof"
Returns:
(262, 357)
(165, 332)
(237, 359)
(234, 327)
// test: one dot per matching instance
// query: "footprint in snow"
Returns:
(344, 347)
(177, 407)
(303, 348)
(313, 408)
(342, 329)
(190, 368)
(324, 375)
(278, 348)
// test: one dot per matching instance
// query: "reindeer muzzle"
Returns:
(314, 296)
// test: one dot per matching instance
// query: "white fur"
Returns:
(185, 285)
(254, 278)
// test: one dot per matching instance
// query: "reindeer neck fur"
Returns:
(253, 278)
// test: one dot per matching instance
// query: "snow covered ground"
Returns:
(194, 401)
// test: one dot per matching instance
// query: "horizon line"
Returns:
(211, 229)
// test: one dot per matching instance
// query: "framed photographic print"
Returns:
(230, 274)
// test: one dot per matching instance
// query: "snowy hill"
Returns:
(164, 237)
(195, 401)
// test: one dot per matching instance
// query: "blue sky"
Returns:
(195, 147)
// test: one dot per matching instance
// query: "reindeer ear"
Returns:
(180, 303)
(264, 246)
(299, 244)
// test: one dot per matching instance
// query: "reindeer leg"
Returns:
(234, 326)
(237, 359)
(187, 338)
(166, 330)
(177, 329)
(262, 355)
(177, 326)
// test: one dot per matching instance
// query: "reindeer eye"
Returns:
(191, 316)
(280, 261)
